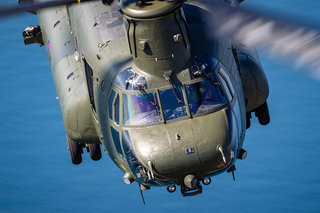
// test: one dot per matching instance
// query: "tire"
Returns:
(75, 151)
(95, 151)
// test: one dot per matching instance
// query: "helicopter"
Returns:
(153, 140)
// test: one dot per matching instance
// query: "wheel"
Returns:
(75, 151)
(95, 151)
(262, 112)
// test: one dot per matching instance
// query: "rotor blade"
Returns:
(7, 10)
(300, 44)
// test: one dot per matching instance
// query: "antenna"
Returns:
(141, 193)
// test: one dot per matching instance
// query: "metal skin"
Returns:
(153, 53)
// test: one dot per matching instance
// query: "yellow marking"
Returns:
(122, 166)
(79, 1)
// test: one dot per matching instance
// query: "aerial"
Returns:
(280, 173)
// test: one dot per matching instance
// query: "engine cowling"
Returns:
(254, 81)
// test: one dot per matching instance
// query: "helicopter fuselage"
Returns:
(162, 112)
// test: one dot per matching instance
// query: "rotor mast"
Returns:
(157, 35)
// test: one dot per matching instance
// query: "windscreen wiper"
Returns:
(167, 76)
(145, 94)
(133, 80)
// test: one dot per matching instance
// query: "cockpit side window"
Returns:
(173, 104)
(116, 110)
(111, 98)
(225, 81)
(204, 96)
(89, 76)
(226, 76)
(116, 141)
(140, 109)
(225, 88)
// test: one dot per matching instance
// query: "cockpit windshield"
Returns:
(143, 109)
(204, 96)
(199, 93)
(172, 103)
(140, 109)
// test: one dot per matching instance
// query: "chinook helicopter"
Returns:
(146, 79)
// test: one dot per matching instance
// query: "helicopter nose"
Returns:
(198, 146)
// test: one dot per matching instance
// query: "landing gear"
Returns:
(262, 112)
(95, 151)
(75, 151)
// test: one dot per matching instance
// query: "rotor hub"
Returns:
(143, 9)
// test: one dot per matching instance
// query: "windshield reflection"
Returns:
(140, 109)
(204, 96)
(143, 109)
(172, 103)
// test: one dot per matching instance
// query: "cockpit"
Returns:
(164, 106)
(198, 93)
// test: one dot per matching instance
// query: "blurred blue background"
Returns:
(280, 174)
